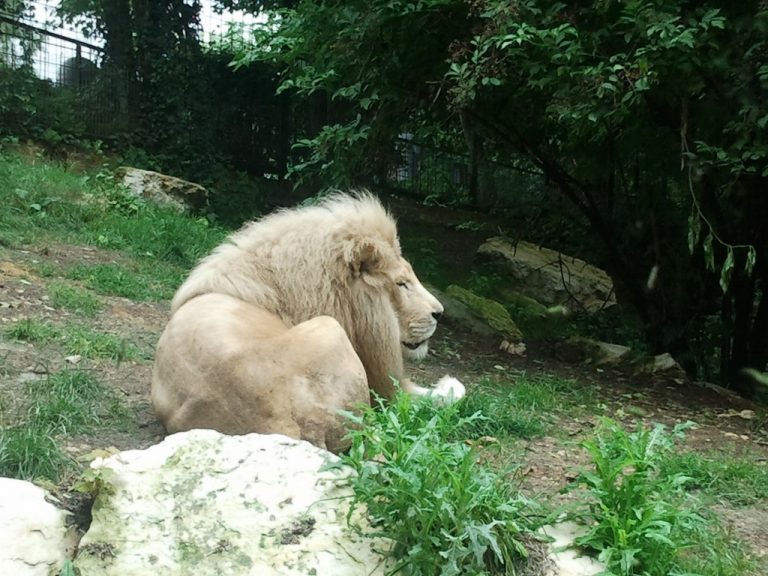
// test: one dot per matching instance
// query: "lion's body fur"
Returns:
(294, 317)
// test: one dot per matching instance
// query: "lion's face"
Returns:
(417, 310)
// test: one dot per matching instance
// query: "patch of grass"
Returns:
(47, 270)
(641, 521)
(549, 393)
(500, 416)
(65, 403)
(29, 452)
(522, 408)
(141, 283)
(85, 342)
(44, 201)
(742, 481)
(32, 330)
(72, 298)
(446, 513)
(75, 338)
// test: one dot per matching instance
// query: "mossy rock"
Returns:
(522, 306)
(493, 313)
(535, 319)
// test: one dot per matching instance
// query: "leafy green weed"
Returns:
(446, 513)
(642, 522)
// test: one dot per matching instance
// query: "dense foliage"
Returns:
(649, 116)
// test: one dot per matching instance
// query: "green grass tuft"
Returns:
(85, 342)
(29, 452)
(500, 416)
(74, 299)
(65, 403)
(140, 283)
(742, 481)
(522, 408)
(76, 339)
(31, 330)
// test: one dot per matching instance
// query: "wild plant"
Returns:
(445, 513)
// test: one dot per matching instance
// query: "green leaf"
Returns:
(751, 258)
(725, 273)
(709, 255)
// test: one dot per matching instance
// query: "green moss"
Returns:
(536, 320)
(493, 313)
(522, 305)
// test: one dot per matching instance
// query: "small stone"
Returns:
(74, 359)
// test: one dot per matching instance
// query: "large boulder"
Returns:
(551, 277)
(204, 503)
(181, 195)
(35, 539)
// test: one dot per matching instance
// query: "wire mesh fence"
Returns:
(61, 78)
(440, 176)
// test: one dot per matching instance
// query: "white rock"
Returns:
(34, 538)
(162, 189)
(664, 364)
(204, 503)
(567, 561)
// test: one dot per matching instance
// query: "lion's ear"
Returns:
(364, 257)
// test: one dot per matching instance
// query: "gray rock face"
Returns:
(551, 277)
(181, 195)
(204, 503)
(34, 537)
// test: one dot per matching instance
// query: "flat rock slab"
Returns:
(34, 537)
(551, 277)
(163, 189)
(204, 503)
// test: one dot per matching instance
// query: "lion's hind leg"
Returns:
(225, 364)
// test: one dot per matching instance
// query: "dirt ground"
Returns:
(548, 462)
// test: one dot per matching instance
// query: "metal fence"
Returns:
(64, 76)
(440, 176)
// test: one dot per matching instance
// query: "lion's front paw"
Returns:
(448, 389)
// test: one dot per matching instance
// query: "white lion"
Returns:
(296, 317)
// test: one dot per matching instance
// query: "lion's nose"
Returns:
(437, 315)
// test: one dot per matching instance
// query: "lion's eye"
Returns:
(403, 285)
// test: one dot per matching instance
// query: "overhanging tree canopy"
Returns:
(649, 116)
